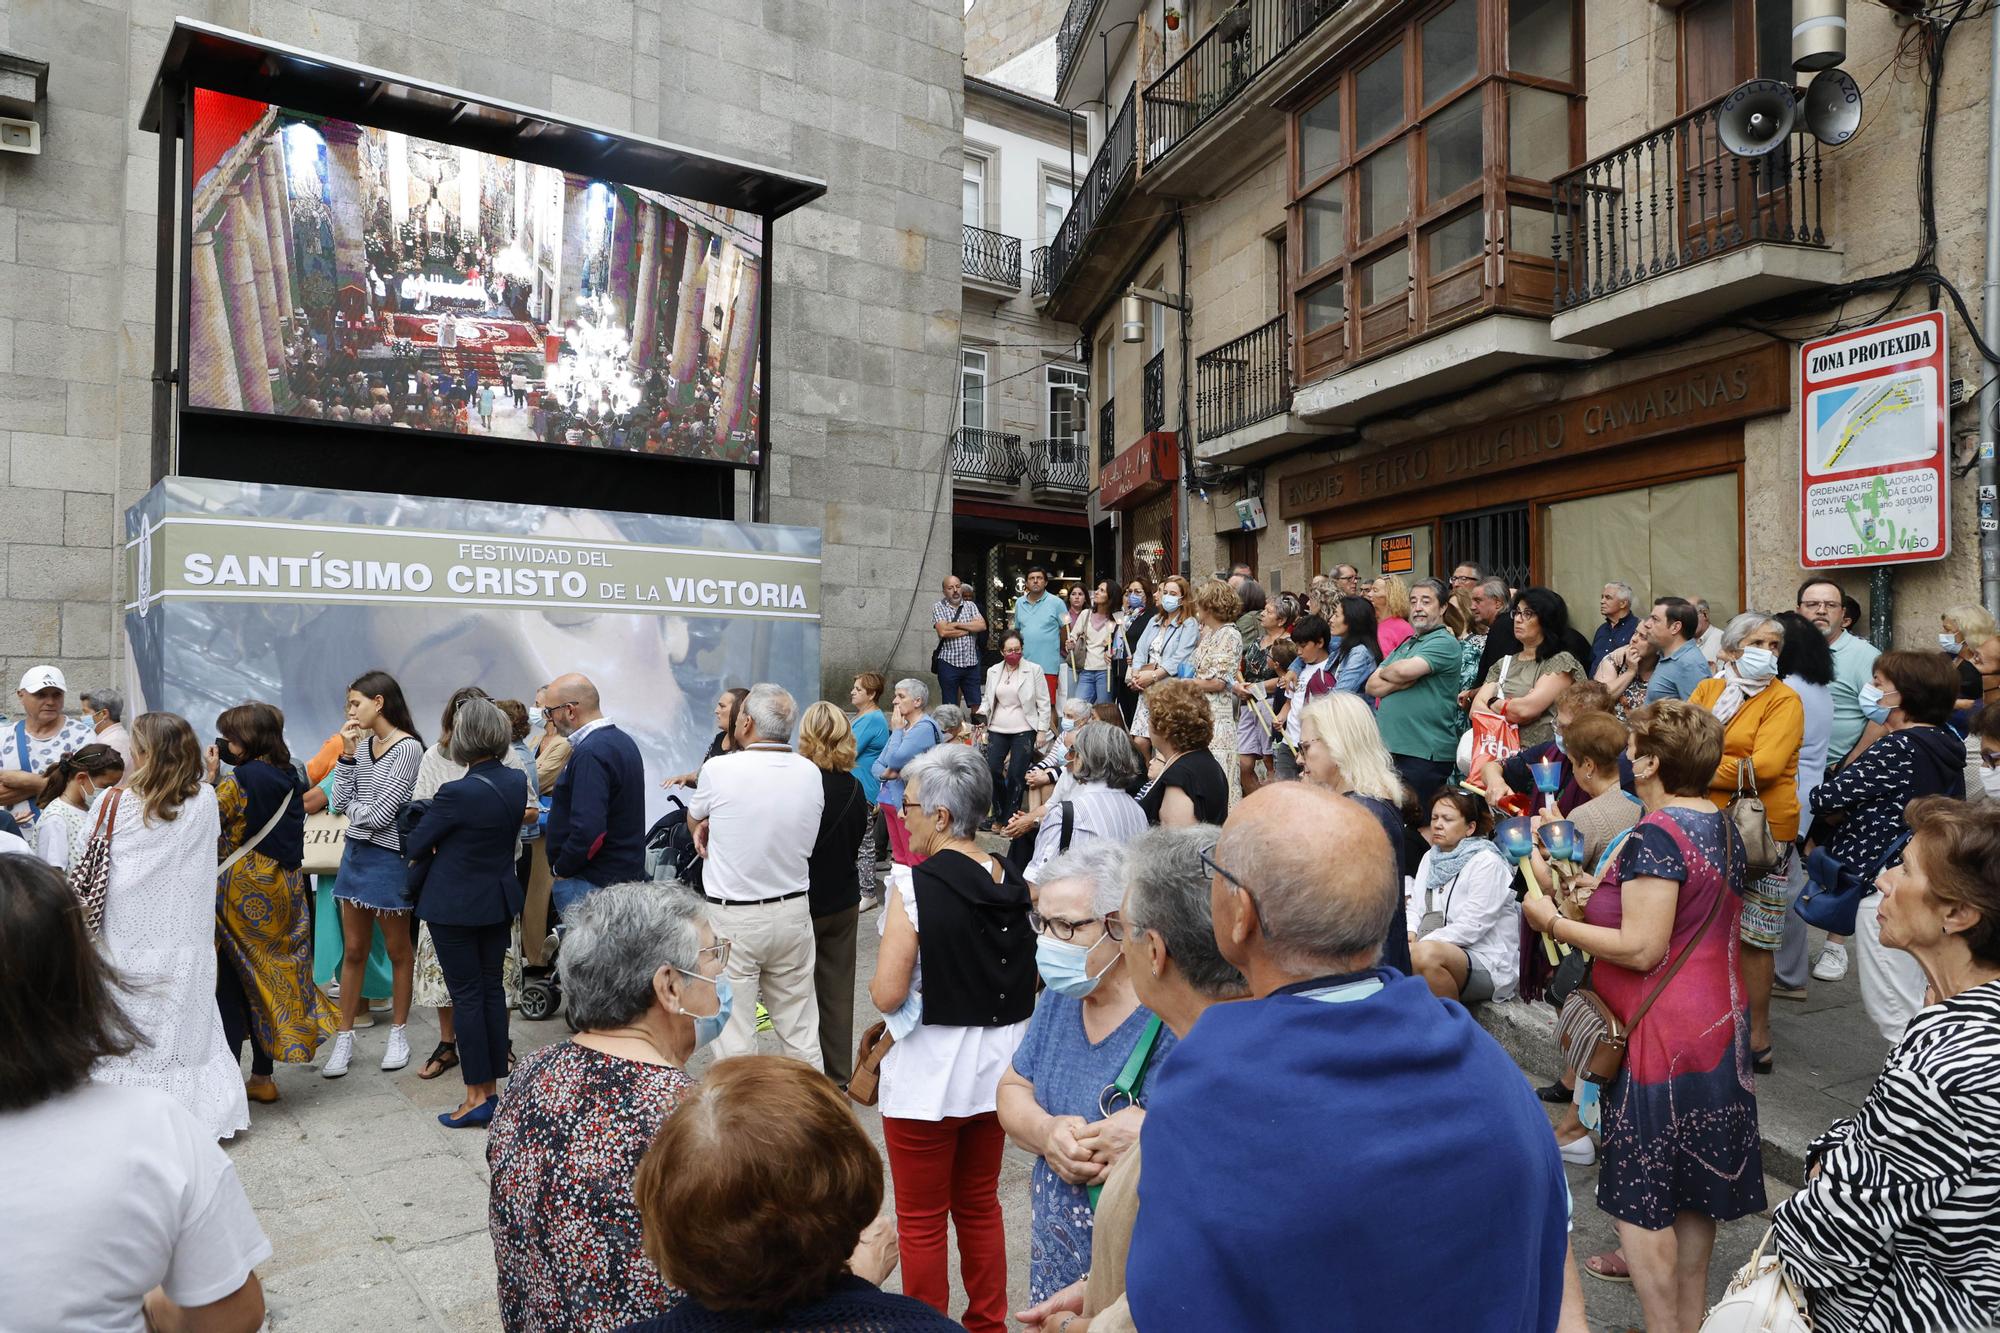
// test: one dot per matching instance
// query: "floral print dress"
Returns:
(1218, 655)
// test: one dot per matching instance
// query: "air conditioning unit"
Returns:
(1250, 514)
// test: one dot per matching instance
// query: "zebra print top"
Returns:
(1900, 1228)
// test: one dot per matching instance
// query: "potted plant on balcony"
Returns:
(1173, 18)
(1235, 22)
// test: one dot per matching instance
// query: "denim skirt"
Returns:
(372, 877)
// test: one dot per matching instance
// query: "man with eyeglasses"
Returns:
(1347, 580)
(1249, 1218)
(1466, 574)
(1820, 601)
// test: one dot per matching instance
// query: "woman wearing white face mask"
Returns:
(70, 789)
(1763, 722)
(1069, 1073)
(1983, 751)
(1961, 630)
(642, 981)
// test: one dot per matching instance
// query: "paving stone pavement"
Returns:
(377, 1214)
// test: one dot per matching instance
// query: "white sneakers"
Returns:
(398, 1052)
(1832, 963)
(343, 1052)
(395, 1056)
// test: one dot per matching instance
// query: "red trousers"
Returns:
(951, 1166)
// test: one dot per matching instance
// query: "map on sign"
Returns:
(1876, 423)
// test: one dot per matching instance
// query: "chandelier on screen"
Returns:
(593, 369)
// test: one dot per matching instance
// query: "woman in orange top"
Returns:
(1763, 721)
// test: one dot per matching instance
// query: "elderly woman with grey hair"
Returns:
(1091, 803)
(1177, 972)
(1086, 1058)
(1763, 728)
(955, 977)
(642, 978)
(910, 734)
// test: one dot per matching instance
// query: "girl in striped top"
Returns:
(380, 755)
(1898, 1226)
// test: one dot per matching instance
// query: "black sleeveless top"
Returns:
(1201, 777)
(973, 939)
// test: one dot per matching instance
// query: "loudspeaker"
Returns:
(1819, 34)
(1832, 110)
(1756, 116)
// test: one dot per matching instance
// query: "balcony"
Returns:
(1107, 432)
(1153, 414)
(1208, 87)
(1107, 225)
(1243, 398)
(1672, 229)
(1038, 272)
(986, 460)
(1058, 470)
(1080, 58)
(992, 261)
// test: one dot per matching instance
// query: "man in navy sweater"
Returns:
(1345, 1150)
(597, 819)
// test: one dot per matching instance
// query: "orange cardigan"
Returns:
(1768, 728)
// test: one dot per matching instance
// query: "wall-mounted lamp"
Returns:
(1132, 313)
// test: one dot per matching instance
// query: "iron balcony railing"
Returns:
(986, 455)
(1076, 20)
(1244, 381)
(1675, 197)
(1242, 43)
(992, 257)
(1038, 266)
(1059, 465)
(1107, 432)
(1154, 416)
(1110, 172)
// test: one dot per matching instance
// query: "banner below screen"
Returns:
(241, 591)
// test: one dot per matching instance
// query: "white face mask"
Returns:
(1989, 778)
(1950, 643)
(1757, 664)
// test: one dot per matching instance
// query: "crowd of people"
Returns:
(1186, 866)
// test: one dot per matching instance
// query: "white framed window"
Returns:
(1057, 195)
(972, 374)
(1068, 413)
(975, 190)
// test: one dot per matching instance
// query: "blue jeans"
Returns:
(1093, 687)
(567, 893)
(956, 682)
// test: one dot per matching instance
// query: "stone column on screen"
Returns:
(257, 232)
(212, 380)
(646, 301)
(739, 369)
(278, 223)
(343, 191)
(694, 293)
(241, 297)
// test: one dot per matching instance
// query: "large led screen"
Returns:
(352, 274)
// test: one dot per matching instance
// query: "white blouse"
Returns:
(938, 1072)
(1481, 916)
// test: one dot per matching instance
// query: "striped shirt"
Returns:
(1102, 814)
(1900, 1227)
(371, 791)
(961, 650)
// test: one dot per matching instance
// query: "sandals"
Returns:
(1608, 1267)
(443, 1058)
(1761, 1061)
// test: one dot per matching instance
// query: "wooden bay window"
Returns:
(1420, 171)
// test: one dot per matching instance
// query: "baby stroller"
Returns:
(671, 860)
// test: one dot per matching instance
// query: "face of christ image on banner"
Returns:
(346, 273)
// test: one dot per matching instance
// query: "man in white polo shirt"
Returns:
(755, 816)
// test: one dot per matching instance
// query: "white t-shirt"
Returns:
(1305, 671)
(763, 808)
(939, 1072)
(112, 1191)
(72, 735)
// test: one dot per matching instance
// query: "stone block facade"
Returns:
(865, 303)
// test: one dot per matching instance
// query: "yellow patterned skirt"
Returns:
(263, 919)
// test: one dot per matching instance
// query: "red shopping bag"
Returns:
(1494, 738)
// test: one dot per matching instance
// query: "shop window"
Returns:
(1683, 538)
(1468, 102)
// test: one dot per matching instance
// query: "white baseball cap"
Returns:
(43, 678)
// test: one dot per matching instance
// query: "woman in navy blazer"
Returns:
(471, 896)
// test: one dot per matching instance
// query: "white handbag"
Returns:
(1761, 1298)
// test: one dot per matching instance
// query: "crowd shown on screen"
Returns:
(1153, 869)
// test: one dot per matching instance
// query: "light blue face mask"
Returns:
(708, 1028)
(1870, 698)
(1064, 966)
(1068, 725)
(1757, 664)
(1170, 602)
(536, 716)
